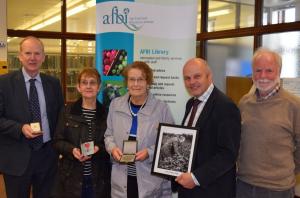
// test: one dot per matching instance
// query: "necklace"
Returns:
(132, 113)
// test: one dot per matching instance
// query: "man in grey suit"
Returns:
(27, 158)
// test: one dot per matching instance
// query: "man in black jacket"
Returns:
(218, 122)
(27, 158)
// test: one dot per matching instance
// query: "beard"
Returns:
(265, 85)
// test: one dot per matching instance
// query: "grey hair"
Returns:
(260, 51)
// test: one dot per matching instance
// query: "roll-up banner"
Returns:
(3, 37)
(160, 33)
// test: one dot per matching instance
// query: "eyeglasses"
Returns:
(136, 80)
(92, 83)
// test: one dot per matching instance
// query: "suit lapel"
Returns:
(205, 114)
(21, 94)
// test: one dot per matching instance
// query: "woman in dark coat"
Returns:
(81, 125)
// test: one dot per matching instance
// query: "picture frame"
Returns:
(174, 150)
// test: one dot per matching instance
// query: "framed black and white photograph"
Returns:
(174, 150)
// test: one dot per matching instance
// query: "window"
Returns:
(229, 57)
(224, 15)
(288, 45)
(81, 16)
(34, 15)
(80, 54)
(276, 12)
(232, 31)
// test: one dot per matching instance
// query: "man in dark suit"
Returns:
(27, 157)
(218, 122)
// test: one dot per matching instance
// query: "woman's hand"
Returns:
(142, 155)
(78, 155)
(96, 149)
(116, 153)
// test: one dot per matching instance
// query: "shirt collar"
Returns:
(27, 77)
(272, 93)
(204, 97)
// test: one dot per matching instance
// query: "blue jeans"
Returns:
(245, 190)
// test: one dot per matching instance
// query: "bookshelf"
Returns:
(75, 63)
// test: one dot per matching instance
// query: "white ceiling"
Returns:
(24, 14)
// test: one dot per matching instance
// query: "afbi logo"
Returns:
(120, 17)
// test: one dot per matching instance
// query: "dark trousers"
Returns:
(245, 190)
(132, 187)
(39, 175)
